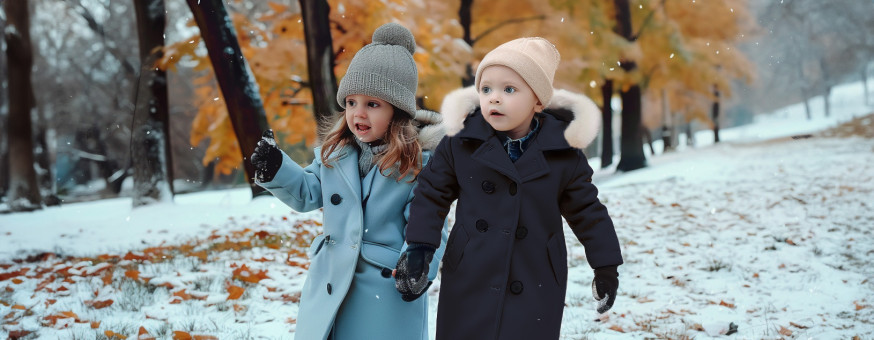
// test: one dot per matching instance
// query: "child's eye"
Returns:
(486, 90)
(350, 103)
(509, 89)
(372, 104)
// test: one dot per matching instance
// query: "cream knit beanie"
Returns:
(534, 59)
(384, 69)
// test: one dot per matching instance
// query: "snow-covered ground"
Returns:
(773, 236)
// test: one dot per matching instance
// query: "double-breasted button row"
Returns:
(386, 273)
(513, 189)
(482, 226)
(521, 232)
(336, 199)
(330, 289)
(516, 287)
(488, 187)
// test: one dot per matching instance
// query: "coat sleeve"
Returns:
(435, 191)
(588, 218)
(444, 234)
(299, 188)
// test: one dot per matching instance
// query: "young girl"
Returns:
(363, 176)
(516, 170)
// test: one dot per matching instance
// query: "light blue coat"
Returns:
(346, 291)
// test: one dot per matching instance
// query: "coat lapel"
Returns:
(347, 165)
(532, 164)
(491, 154)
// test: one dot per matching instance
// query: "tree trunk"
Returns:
(647, 138)
(43, 162)
(690, 138)
(320, 59)
(667, 124)
(464, 18)
(150, 144)
(4, 114)
(806, 100)
(607, 118)
(715, 115)
(865, 83)
(631, 150)
(23, 192)
(235, 78)
(827, 100)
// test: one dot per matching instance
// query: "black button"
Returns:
(336, 199)
(329, 289)
(521, 232)
(513, 188)
(488, 187)
(516, 287)
(386, 273)
(482, 226)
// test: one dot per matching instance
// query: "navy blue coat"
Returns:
(504, 273)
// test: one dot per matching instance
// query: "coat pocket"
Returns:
(380, 255)
(458, 239)
(317, 245)
(555, 248)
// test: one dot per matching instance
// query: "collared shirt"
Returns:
(515, 147)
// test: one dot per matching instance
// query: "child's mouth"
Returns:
(495, 113)
(362, 128)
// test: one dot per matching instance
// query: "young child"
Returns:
(363, 176)
(516, 170)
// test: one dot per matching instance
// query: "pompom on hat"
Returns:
(534, 59)
(384, 69)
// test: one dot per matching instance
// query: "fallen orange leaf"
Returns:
(19, 307)
(205, 337)
(243, 273)
(617, 328)
(858, 306)
(17, 281)
(180, 335)
(785, 331)
(797, 325)
(111, 334)
(132, 274)
(99, 304)
(144, 334)
(235, 292)
(726, 304)
(95, 324)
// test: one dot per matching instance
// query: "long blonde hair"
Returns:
(403, 154)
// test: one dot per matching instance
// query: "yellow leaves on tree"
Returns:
(274, 48)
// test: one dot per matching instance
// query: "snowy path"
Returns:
(773, 236)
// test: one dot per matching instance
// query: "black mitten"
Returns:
(267, 158)
(411, 278)
(604, 287)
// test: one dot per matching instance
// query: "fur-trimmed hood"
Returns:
(585, 121)
(431, 131)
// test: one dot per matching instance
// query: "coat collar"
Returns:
(460, 109)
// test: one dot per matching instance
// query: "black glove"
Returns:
(267, 158)
(604, 287)
(411, 278)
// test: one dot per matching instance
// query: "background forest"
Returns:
(150, 98)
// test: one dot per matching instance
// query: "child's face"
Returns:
(507, 102)
(368, 117)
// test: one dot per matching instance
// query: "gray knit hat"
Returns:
(384, 69)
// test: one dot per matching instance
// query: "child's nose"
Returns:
(494, 98)
(359, 112)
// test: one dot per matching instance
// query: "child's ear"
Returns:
(538, 107)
